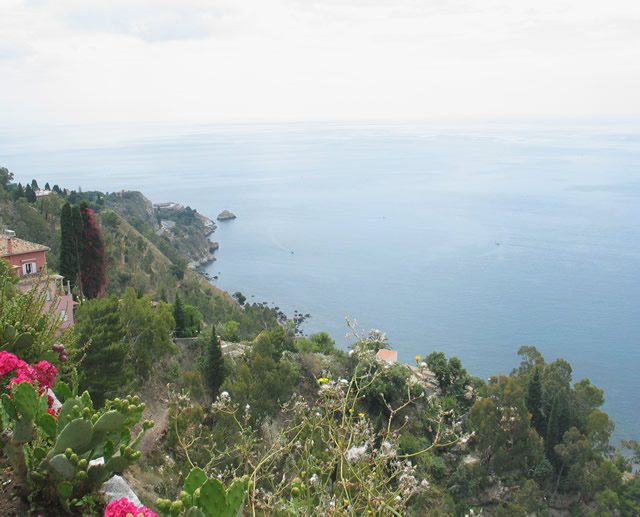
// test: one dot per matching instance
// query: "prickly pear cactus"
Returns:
(206, 497)
(80, 435)
(16, 340)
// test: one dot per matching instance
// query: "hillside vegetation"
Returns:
(270, 422)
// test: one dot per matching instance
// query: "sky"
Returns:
(220, 61)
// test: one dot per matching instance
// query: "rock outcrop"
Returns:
(225, 215)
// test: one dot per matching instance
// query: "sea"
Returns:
(473, 239)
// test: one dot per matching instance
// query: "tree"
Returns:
(230, 331)
(192, 321)
(105, 369)
(18, 192)
(531, 358)
(451, 376)
(179, 317)
(501, 422)
(534, 403)
(29, 194)
(93, 258)
(68, 245)
(214, 373)
(147, 328)
(559, 421)
(5, 178)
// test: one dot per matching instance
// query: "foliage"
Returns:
(179, 317)
(123, 337)
(263, 380)
(320, 342)
(206, 497)
(93, 259)
(104, 369)
(192, 321)
(51, 452)
(214, 370)
(26, 328)
(324, 456)
(452, 378)
(69, 246)
(230, 331)
(503, 433)
(147, 326)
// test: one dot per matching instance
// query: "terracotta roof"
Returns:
(391, 356)
(18, 246)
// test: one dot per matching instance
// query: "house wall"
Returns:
(18, 261)
(58, 293)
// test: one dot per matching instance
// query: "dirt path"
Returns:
(154, 395)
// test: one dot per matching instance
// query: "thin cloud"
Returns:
(273, 60)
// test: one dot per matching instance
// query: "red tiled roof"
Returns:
(391, 356)
(18, 246)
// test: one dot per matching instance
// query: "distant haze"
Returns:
(215, 61)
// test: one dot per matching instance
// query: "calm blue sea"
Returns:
(469, 240)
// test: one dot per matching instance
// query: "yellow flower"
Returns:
(417, 358)
(369, 512)
(361, 415)
(322, 380)
(374, 473)
(351, 411)
(345, 501)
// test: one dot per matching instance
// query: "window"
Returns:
(29, 267)
(65, 316)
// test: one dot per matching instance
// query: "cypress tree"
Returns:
(68, 247)
(179, 316)
(76, 223)
(534, 403)
(215, 364)
(29, 194)
(93, 258)
(559, 422)
(18, 192)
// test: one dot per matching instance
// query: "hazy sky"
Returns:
(86, 61)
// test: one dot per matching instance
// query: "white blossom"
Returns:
(355, 453)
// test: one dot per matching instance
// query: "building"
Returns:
(390, 356)
(28, 261)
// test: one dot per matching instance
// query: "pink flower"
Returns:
(9, 362)
(41, 374)
(122, 507)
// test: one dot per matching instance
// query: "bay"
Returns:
(472, 240)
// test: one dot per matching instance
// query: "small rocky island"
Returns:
(225, 215)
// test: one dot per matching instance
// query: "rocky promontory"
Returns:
(225, 215)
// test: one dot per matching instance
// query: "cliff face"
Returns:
(132, 205)
(182, 228)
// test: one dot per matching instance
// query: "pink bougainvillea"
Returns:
(122, 507)
(41, 374)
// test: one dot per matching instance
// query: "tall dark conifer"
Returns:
(534, 403)
(215, 365)
(68, 245)
(78, 234)
(93, 257)
(179, 316)
(29, 194)
(18, 192)
(559, 421)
